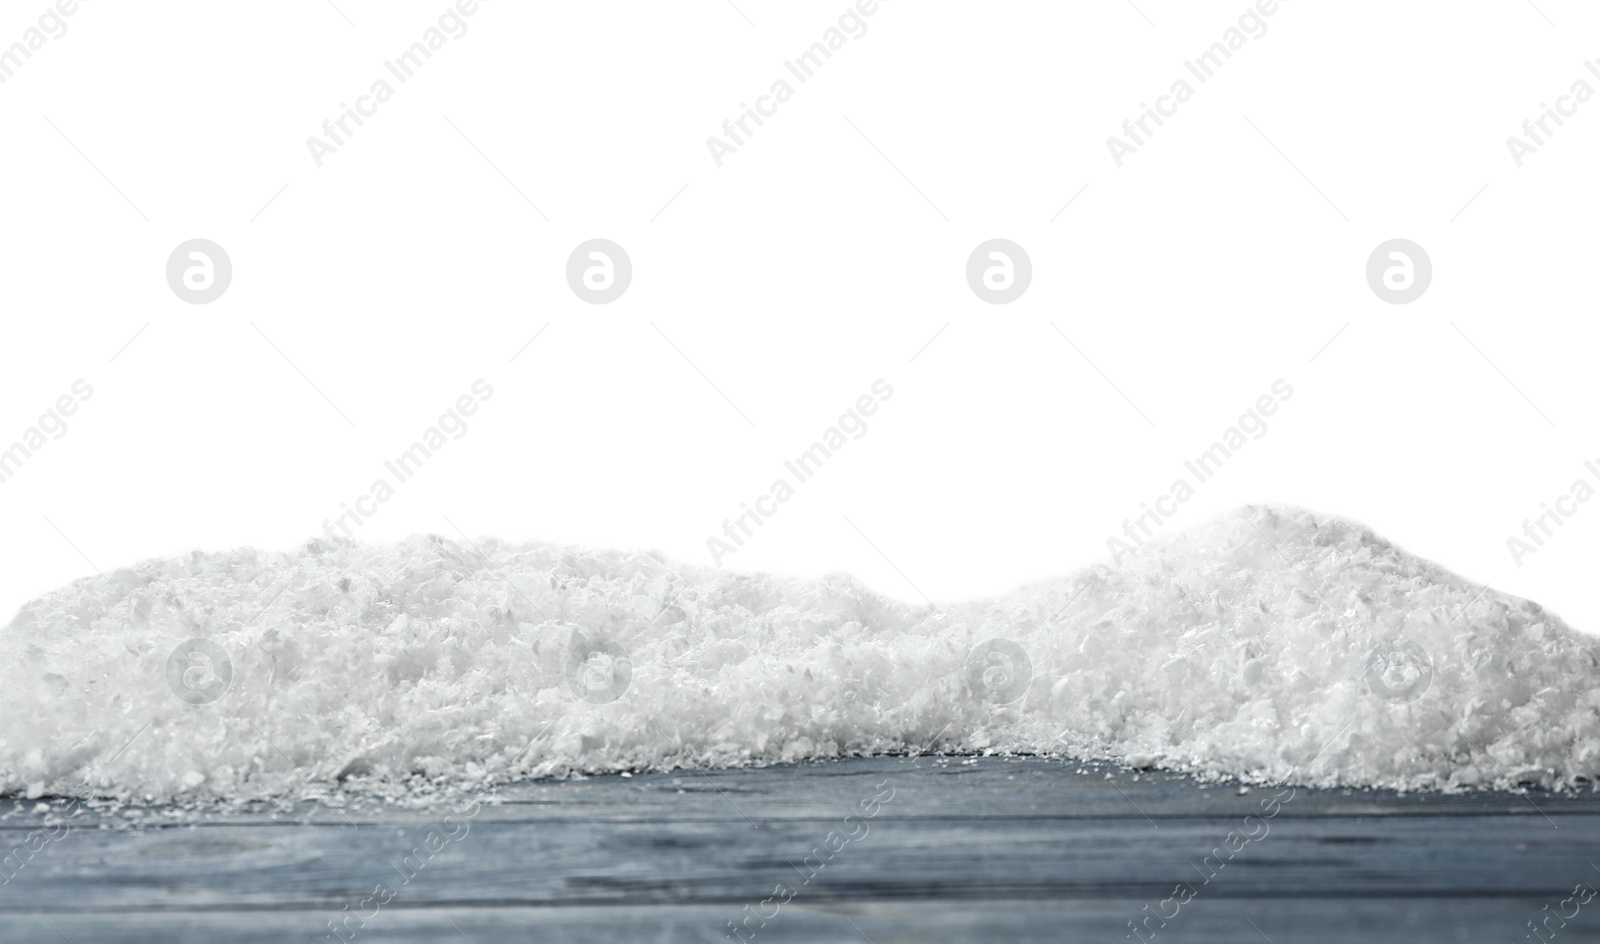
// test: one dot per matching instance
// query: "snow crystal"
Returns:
(1271, 644)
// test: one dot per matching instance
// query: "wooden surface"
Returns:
(1012, 850)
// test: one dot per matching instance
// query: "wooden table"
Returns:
(882, 850)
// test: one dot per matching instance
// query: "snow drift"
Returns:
(1269, 644)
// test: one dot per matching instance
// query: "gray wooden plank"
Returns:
(538, 863)
(1014, 921)
(1059, 841)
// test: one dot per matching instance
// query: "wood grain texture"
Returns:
(1016, 849)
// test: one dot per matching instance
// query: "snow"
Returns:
(1270, 644)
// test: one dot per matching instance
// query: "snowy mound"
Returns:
(1269, 644)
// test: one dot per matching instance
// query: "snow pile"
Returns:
(1269, 644)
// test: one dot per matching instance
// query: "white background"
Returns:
(794, 276)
